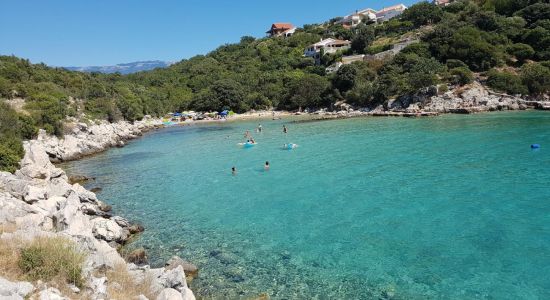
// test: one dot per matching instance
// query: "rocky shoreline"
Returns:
(38, 201)
(473, 98)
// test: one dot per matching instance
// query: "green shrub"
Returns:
(506, 82)
(442, 88)
(521, 51)
(9, 158)
(52, 258)
(462, 75)
(536, 77)
(455, 63)
(377, 49)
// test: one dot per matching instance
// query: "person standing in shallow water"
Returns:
(284, 129)
(266, 166)
(233, 171)
(259, 127)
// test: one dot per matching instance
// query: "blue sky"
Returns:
(106, 32)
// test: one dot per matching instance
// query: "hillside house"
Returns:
(442, 2)
(358, 17)
(329, 45)
(387, 13)
(281, 29)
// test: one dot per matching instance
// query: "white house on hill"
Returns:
(390, 12)
(329, 45)
(358, 17)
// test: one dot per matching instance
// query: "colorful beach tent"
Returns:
(224, 113)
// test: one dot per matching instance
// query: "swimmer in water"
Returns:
(247, 134)
(284, 129)
(259, 127)
(266, 166)
(234, 171)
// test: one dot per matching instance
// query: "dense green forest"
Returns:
(505, 42)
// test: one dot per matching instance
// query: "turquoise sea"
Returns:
(450, 207)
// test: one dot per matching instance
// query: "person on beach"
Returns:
(259, 127)
(284, 129)
(234, 171)
(266, 166)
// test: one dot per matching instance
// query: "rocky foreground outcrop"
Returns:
(39, 201)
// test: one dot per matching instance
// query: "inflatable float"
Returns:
(247, 144)
(535, 146)
(289, 146)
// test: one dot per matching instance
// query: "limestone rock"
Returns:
(169, 294)
(107, 230)
(52, 294)
(187, 294)
(84, 195)
(98, 287)
(14, 185)
(14, 290)
(100, 254)
(122, 222)
(36, 163)
(174, 278)
(35, 194)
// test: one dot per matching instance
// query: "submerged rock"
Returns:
(137, 256)
(79, 179)
(96, 190)
(190, 269)
(136, 228)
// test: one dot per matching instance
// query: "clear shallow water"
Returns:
(448, 207)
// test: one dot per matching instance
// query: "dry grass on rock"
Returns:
(122, 285)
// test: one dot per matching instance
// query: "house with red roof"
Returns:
(281, 29)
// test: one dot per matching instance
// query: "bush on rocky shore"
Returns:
(52, 258)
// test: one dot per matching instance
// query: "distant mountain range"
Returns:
(126, 68)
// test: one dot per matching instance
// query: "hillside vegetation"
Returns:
(505, 41)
